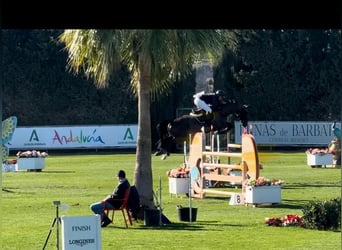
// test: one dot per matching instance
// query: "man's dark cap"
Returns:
(121, 174)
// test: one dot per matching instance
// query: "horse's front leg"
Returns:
(165, 147)
(162, 152)
(206, 129)
(222, 128)
(158, 152)
(160, 149)
(227, 128)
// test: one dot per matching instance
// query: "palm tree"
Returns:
(155, 58)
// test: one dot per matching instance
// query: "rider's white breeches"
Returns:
(201, 104)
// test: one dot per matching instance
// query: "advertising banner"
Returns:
(73, 137)
(288, 133)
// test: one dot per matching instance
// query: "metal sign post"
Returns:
(55, 221)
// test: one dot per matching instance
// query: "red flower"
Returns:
(287, 220)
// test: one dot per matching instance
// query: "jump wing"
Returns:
(8, 127)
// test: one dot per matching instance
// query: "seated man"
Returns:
(336, 131)
(112, 201)
(335, 145)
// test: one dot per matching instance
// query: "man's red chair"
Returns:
(123, 208)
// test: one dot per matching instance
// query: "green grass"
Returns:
(27, 209)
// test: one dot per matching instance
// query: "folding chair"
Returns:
(123, 208)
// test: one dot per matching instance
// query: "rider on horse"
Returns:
(208, 102)
(178, 129)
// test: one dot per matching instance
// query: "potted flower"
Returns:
(179, 180)
(31, 154)
(263, 190)
(181, 172)
(319, 156)
(286, 221)
(31, 160)
(262, 181)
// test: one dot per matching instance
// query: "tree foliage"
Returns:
(299, 71)
(290, 74)
(39, 91)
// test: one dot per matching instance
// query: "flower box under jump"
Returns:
(179, 185)
(263, 194)
(30, 164)
(32, 161)
(263, 191)
(319, 159)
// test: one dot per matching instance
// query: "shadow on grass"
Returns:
(198, 225)
(287, 204)
(303, 185)
(211, 197)
(175, 226)
(58, 171)
(7, 190)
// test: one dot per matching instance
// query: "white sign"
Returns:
(236, 199)
(288, 133)
(81, 232)
(69, 137)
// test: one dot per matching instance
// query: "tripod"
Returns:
(57, 221)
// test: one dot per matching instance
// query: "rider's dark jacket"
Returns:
(212, 100)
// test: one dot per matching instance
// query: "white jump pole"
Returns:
(218, 146)
(190, 201)
(190, 187)
(184, 152)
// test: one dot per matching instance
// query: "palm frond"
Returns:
(95, 52)
(171, 53)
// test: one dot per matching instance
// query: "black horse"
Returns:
(171, 131)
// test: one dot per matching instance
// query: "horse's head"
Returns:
(238, 110)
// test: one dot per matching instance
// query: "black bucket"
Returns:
(151, 217)
(184, 214)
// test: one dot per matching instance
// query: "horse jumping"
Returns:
(172, 131)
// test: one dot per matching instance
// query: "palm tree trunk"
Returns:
(143, 169)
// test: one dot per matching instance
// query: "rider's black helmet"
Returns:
(219, 93)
